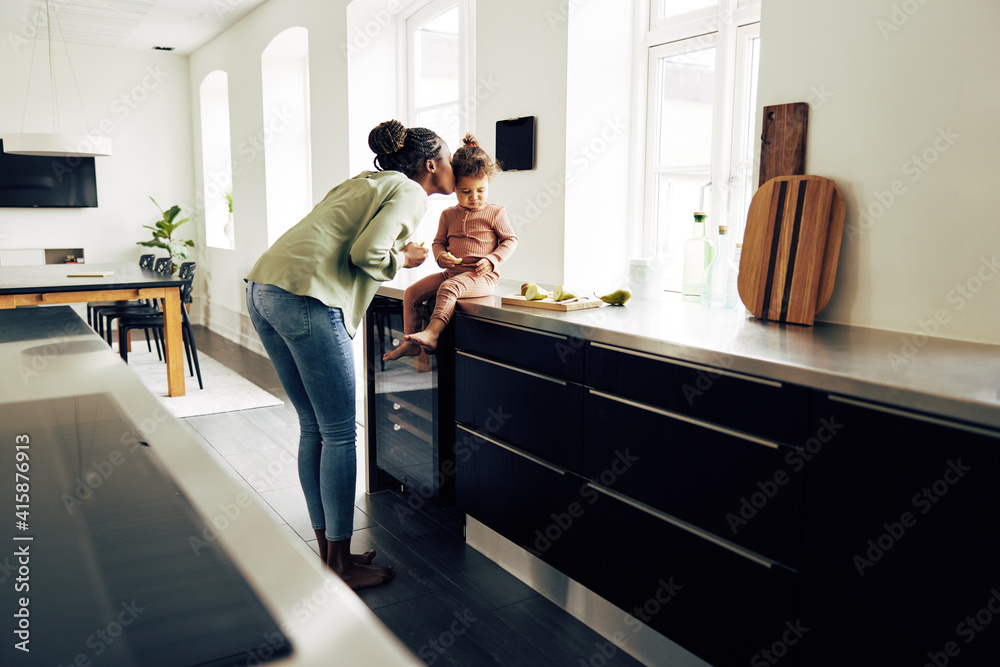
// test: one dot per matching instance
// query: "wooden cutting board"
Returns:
(783, 141)
(548, 304)
(790, 248)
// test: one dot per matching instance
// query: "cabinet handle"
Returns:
(513, 368)
(688, 364)
(533, 459)
(514, 326)
(914, 415)
(685, 526)
(690, 420)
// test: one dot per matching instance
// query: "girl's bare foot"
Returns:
(425, 339)
(406, 349)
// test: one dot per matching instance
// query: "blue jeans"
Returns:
(311, 352)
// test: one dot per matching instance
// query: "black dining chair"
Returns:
(154, 322)
(145, 262)
(106, 316)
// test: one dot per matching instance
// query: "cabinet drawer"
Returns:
(742, 488)
(717, 604)
(919, 507)
(536, 413)
(755, 405)
(521, 497)
(549, 353)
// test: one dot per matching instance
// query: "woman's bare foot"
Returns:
(362, 559)
(356, 575)
(365, 576)
(428, 340)
(406, 349)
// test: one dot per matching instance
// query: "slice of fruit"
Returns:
(524, 287)
(535, 293)
(562, 294)
(618, 297)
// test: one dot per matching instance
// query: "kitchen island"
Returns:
(128, 544)
(780, 490)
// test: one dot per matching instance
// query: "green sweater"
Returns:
(349, 243)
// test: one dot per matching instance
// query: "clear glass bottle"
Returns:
(732, 288)
(697, 255)
(717, 275)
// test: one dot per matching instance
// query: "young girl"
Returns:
(472, 240)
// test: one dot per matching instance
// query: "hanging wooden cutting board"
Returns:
(790, 248)
(783, 141)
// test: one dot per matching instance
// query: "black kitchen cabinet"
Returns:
(748, 519)
(899, 562)
(734, 484)
(548, 353)
(536, 413)
(713, 393)
(721, 605)
(527, 500)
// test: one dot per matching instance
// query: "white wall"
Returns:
(903, 115)
(521, 58)
(143, 103)
(238, 51)
(598, 142)
(372, 73)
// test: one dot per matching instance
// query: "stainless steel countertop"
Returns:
(948, 378)
(50, 353)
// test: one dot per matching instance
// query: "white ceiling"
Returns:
(125, 24)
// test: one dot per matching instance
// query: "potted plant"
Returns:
(163, 235)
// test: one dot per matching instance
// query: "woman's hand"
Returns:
(484, 266)
(448, 261)
(414, 254)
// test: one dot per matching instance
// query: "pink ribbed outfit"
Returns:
(471, 235)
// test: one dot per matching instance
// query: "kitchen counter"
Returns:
(108, 469)
(951, 379)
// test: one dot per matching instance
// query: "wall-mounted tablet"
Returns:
(516, 143)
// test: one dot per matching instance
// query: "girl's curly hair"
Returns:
(471, 161)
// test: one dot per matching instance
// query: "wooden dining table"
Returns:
(78, 283)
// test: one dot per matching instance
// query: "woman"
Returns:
(306, 296)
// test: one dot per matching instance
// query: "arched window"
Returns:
(285, 134)
(216, 160)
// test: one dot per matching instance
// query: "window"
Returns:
(439, 64)
(701, 97)
(284, 136)
(216, 159)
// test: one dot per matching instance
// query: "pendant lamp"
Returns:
(55, 143)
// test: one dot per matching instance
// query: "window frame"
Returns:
(731, 22)
(406, 87)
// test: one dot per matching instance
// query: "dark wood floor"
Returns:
(450, 604)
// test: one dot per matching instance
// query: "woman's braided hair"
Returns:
(401, 149)
(471, 161)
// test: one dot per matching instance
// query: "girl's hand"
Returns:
(484, 266)
(414, 255)
(447, 261)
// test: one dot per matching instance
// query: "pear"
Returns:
(534, 293)
(617, 298)
(562, 294)
(524, 288)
